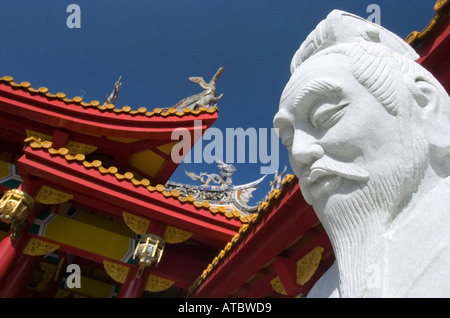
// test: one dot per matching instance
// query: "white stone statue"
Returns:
(368, 135)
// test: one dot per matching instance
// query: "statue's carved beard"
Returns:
(356, 218)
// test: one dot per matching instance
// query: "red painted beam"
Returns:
(16, 126)
(434, 54)
(56, 113)
(169, 267)
(433, 49)
(312, 238)
(288, 220)
(261, 288)
(286, 270)
(125, 196)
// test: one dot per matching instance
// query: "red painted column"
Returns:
(133, 286)
(9, 250)
(20, 276)
(8, 254)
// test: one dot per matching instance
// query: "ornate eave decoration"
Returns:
(111, 99)
(156, 284)
(218, 189)
(116, 271)
(137, 224)
(48, 195)
(37, 247)
(180, 111)
(73, 147)
(207, 98)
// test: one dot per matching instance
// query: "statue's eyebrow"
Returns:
(315, 89)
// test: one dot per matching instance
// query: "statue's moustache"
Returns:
(327, 166)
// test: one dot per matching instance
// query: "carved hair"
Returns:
(378, 59)
(377, 55)
(378, 72)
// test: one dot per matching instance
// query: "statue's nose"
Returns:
(306, 149)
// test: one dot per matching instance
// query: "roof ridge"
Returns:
(37, 143)
(77, 100)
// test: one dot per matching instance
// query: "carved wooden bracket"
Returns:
(49, 270)
(116, 271)
(47, 195)
(293, 274)
(157, 284)
(140, 225)
(137, 224)
(174, 235)
(36, 247)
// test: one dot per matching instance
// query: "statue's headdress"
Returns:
(342, 27)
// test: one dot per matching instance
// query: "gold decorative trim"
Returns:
(36, 247)
(73, 147)
(157, 284)
(116, 271)
(62, 293)
(15, 206)
(58, 269)
(79, 148)
(49, 270)
(38, 135)
(47, 195)
(307, 265)
(441, 8)
(277, 286)
(250, 222)
(228, 212)
(174, 235)
(77, 100)
(137, 224)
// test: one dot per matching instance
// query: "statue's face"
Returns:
(337, 134)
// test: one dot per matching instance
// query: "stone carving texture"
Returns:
(368, 134)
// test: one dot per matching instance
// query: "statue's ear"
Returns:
(434, 105)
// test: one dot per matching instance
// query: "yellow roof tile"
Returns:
(37, 143)
(442, 9)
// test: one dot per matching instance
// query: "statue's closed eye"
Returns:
(326, 115)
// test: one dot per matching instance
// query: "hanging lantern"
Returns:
(149, 250)
(15, 206)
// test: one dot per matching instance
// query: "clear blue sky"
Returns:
(157, 44)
